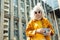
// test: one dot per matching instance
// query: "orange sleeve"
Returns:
(51, 27)
(30, 29)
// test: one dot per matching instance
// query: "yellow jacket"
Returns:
(37, 24)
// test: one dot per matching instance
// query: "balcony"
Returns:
(5, 34)
(6, 5)
(6, 23)
(6, 19)
(6, 1)
(6, 28)
(6, 11)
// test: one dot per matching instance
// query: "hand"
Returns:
(48, 33)
(40, 31)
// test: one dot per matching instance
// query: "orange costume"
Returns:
(37, 24)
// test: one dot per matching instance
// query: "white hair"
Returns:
(38, 7)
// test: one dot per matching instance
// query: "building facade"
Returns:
(14, 16)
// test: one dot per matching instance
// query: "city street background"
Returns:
(14, 16)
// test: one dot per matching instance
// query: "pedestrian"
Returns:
(39, 27)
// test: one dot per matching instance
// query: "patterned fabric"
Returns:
(33, 25)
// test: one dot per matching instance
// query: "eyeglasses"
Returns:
(37, 12)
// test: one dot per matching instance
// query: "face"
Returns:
(37, 14)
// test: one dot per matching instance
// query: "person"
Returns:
(37, 26)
